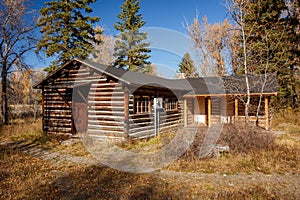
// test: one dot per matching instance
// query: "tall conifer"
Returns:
(131, 49)
(187, 67)
(67, 31)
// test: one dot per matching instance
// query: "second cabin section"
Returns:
(222, 100)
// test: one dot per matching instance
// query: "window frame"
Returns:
(142, 104)
(171, 104)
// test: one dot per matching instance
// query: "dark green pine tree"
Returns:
(67, 31)
(270, 44)
(131, 49)
(187, 67)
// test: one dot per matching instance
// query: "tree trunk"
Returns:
(4, 95)
(261, 96)
(246, 77)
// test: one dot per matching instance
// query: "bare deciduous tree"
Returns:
(105, 50)
(212, 43)
(237, 10)
(16, 39)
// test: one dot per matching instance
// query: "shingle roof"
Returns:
(235, 85)
(192, 86)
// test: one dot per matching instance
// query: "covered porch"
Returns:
(205, 110)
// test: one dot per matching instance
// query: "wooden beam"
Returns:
(83, 97)
(185, 112)
(219, 95)
(149, 106)
(193, 110)
(209, 112)
(43, 110)
(267, 113)
(126, 112)
(236, 110)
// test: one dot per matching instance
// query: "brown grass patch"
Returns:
(148, 144)
(21, 129)
(25, 177)
(250, 151)
(287, 120)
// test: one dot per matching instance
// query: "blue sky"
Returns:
(166, 15)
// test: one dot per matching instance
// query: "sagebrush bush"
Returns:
(242, 139)
(237, 137)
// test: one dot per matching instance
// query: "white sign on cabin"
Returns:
(158, 103)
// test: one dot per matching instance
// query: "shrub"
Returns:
(237, 137)
(241, 139)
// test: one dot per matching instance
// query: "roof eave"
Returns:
(219, 95)
(40, 84)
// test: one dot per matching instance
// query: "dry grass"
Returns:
(251, 150)
(21, 129)
(25, 177)
(147, 145)
(287, 120)
(282, 159)
(77, 149)
(240, 140)
(30, 131)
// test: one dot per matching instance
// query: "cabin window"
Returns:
(142, 104)
(171, 104)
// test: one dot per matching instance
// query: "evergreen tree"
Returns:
(187, 67)
(293, 20)
(270, 38)
(131, 49)
(67, 31)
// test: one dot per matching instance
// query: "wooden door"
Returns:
(80, 117)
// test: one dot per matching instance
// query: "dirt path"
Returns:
(54, 158)
(284, 183)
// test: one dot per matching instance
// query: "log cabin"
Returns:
(83, 97)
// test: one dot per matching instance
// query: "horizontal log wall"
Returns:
(215, 106)
(141, 125)
(230, 106)
(58, 96)
(57, 111)
(106, 109)
(190, 111)
(252, 120)
(222, 110)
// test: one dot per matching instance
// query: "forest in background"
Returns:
(259, 37)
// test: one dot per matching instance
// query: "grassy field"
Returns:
(270, 172)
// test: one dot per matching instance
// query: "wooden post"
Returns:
(193, 109)
(209, 112)
(267, 113)
(185, 112)
(149, 106)
(43, 110)
(236, 110)
(126, 112)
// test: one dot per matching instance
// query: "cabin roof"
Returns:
(203, 86)
(233, 85)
